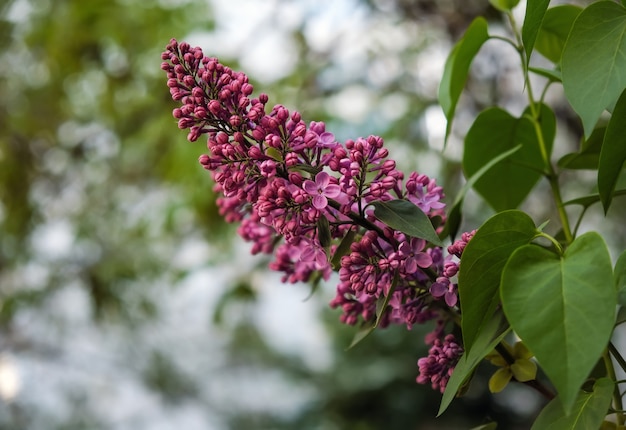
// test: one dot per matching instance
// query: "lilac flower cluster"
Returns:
(302, 196)
(437, 367)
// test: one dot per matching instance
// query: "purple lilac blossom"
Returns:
(280, 178)
(437, 367)
(321, 190)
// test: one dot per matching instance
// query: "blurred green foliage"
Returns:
(86, 137)
(99, 189)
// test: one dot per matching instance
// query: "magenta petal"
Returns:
(451, 298)
(438, 290)
(423, 260)
(410, 265)
(321, 260)
(417, 244)
(320, 202)
(332, 191)
(310, 187)
(404, 248)
(326, 139)
(322, 179)
(308, 254)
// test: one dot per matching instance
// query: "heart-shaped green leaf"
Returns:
(613, 153)
(481, 267)
(495, 131)
(588, 411)
(457, 67)
(562, 307)
(594, 61)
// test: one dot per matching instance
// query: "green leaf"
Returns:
(562, 307)
(383, 302)
(366, 329)
(613, 152)
(323, 233)
(535, 11)
(552, 75)
(494, 131)
(457, 67)
(619, 275)
(481, 267)
(554, 30)
(504, 5)
(493, 332)
(621, 315)
(274, 153)
(343, 248)
(594, 61)
(588, 411)
(404, 216)
(589, 155)
(454, 214)
(587, 201)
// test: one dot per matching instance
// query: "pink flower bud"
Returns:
(258, 134)
(224, 95)
(214, 107)
(255, 153)
(235, 121)
(200, 112)
(221, 138)
(247, 89)
(239, 137)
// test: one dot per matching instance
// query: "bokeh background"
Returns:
(126, 302)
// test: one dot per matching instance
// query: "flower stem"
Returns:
(608, 363)
(535, 113)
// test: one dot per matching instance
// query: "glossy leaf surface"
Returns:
(594, 61)
(562, 307)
